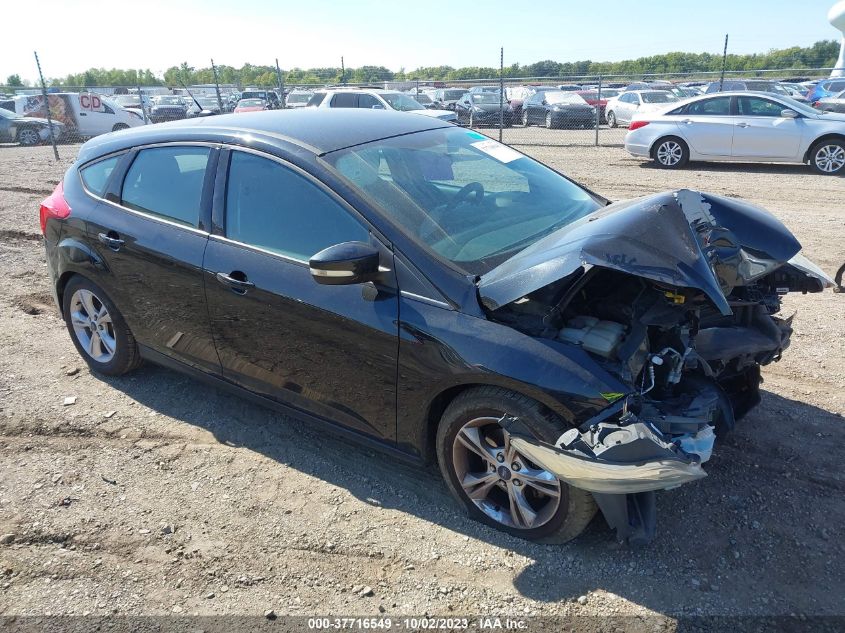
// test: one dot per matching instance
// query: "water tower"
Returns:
(836, 16)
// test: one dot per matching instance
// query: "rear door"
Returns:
(708, 126)
(328, 350)
(150, 230)
(761, 132)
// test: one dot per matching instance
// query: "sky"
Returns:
(74, 35)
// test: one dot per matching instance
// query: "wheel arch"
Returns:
(831, 136)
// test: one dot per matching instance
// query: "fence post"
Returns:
(598, 111)
(47, 107)
(281, 85)
(217, 87)
(501, 91)
(141, 98)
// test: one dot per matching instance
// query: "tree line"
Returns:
(820, 55)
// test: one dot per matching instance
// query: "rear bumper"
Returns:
(638, 149)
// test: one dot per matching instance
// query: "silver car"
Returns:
(740, 126)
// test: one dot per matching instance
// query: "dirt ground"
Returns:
(155, 494)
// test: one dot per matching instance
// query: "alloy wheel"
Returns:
(669, 153)
(28, 137)
(830, 158)
(501, 482)
(92, 324)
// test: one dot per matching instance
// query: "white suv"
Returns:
(377, 100)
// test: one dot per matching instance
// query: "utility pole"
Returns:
(342, 71)
(217, 87)
(724, 63)
(47, 106)
(281, 83)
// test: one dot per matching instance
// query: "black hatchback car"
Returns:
(434, 292)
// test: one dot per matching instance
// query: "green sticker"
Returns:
(475, 135)
(611, 396)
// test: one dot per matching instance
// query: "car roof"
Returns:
(319, 130)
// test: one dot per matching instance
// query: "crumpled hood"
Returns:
(682, 238)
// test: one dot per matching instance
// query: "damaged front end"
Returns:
(677, 295)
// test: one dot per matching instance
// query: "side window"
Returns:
(96, 176)
(316, 99)
(344, 100)
(836, 86)
(167, 181)
(755, 106)
(718, 106)
(273, 207)
(368, 101)
(107, 109)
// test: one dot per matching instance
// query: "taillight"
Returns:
(817, 104)
(54, 206)
(636, 125)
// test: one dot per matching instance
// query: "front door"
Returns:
(761, 131)
(328, 350)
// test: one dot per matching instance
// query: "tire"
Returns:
(670, 152)
(28, 137)
(611, 119)
(525, 118)
(557, 519)
(119, 126)
(125, 356)
(471, 120)
(828, 157)
(549, 122)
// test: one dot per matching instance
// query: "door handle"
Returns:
(239, 286)
(742, 124)
(111, 240)
(687, 121)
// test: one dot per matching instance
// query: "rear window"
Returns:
(96, 176)
(167, 182)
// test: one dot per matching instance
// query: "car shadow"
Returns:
(758, 535)
(745, 168)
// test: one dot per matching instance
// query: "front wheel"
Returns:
(611, 119)
(828, 157)
(525, 118)
(671, 153)
(28, 137)
(494, 482)
(98, 329)
(549, 121)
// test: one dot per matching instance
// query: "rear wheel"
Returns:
(525, 118)
(28, 136)
(611, 119)
(670, 153)
(494, 482)
(549, 121)
(828, 157)
(98, 329)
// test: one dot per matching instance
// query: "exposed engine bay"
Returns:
(691, 360)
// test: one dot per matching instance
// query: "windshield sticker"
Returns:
(475, 135)
(501, 153)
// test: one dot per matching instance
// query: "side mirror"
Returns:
(786, 113)
(345, 264)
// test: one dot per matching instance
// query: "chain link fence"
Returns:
(567, 110)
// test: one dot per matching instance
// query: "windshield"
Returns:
(128, 100)
(658, 97)
(169, 101)
(401, 102)
(485, 97)
(250, 103)
(563, 97)
(453, 95)
(422, 98)
(207, 102)
(470, 200)
(301, 97)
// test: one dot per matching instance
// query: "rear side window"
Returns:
(167, 181)
(344, 100)
(96, 176)
(316, 99)
(274, 208)
(718, 106)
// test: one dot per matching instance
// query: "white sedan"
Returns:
(624, 107)
(740, 126)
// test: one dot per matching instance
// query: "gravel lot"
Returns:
(154, 494)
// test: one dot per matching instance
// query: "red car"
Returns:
(592, 98)
(251, 105)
